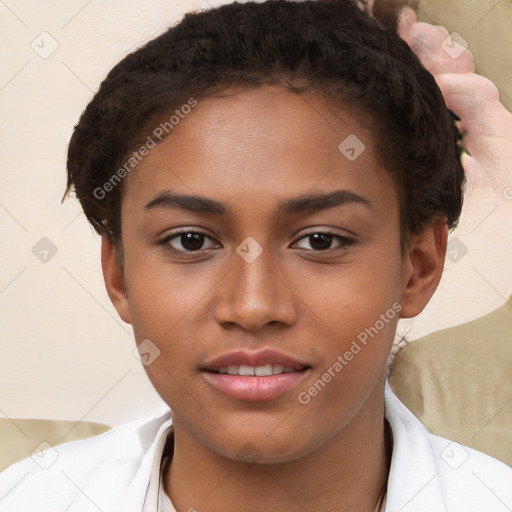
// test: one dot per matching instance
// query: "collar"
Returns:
(163, 454)
(413, 482)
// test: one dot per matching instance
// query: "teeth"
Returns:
(260, 371)
(246, 370)
(278, 368)
(263, 370)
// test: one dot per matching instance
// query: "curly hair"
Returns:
(331, 48)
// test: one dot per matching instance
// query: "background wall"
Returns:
(64, 353)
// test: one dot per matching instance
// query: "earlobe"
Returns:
(114, 279)
(423, 267)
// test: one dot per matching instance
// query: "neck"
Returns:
(348, 472)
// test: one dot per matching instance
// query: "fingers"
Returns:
(485, 123)
(470, 96)
(475, 99)
(407, 18)
(434, 46)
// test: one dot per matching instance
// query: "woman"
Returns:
(273, 184)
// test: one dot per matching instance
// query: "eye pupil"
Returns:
(192, 241)
(320, 241)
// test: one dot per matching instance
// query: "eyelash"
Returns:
(343, 240)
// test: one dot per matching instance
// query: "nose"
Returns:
(255, 293)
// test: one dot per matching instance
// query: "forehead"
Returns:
(266, 142)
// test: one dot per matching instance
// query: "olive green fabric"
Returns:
(20, 438)
(458, 382)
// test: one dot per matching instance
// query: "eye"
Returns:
(185, 241)
(321, 241)
(188, 241)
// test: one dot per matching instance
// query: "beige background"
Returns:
(64, 353)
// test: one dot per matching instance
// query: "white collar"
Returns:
(413, 483)
(153, 500)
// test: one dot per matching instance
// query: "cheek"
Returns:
(352, 295)
(168, 306)
(356, 313)
(161, 296)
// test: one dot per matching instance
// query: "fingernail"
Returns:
(406, 18)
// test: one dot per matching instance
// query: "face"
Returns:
(292, 266)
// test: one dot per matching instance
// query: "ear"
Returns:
(422, 267)
(114, 279)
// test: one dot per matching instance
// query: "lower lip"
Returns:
(254, 388)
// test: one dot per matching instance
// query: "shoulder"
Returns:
(471, 480)
(82, 475)
(429, 472)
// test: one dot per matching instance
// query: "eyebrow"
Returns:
(311, 202)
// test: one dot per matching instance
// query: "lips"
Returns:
(255, 376)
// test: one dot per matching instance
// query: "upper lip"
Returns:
(259, 358)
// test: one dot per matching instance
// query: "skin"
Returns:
(250, 149)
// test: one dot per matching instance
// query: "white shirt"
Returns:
(120, 471)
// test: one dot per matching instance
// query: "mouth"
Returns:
(258, 371)
(254, 376)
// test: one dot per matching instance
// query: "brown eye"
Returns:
(185, 241)
(322, 241)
